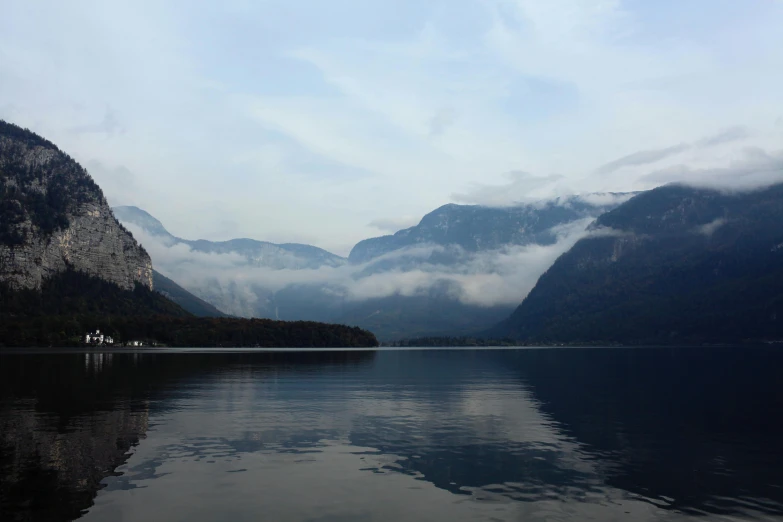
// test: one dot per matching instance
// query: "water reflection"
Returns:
(416, 435)
(695, 430)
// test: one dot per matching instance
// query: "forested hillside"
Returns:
(72, 304)
(672, 265)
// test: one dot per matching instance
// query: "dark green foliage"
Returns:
(75, 293)
(72, 303)
(24, 136)
(45, 195)
(664, 282)
(11, 214)
(63, 330)
(182, 297)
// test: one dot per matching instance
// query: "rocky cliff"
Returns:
(53, 217)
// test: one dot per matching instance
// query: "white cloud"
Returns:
(602, 199)
(709, 229)
(500, 277)
(314, 120)
(753, 168)
(392, 225)
(732, 134)
(643, 157)
(521, 187)
(109, 124)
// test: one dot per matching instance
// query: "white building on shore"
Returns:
(98, 338)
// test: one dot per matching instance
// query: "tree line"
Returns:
(73, 303)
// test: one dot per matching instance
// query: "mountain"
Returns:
(467, 244)
(183, 298)
(72, 303)
(430, 279)
(475, 228)
(673, 265)
(460, 270)
(73, 294)
(67, 267)
(54, 217)
(224, 273)
(291, 256)
(434, 313)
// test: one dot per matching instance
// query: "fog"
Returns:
(754, 168)
(489, 278)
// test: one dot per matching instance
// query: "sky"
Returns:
(329, 122)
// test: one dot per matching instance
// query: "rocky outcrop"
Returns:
(54, 217)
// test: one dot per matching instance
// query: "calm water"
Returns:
(551, 434)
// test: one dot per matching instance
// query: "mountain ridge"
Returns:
(185, 299)
(254, 250)
(67, 266)
(676, 264)
(467, 225)
(440, 307)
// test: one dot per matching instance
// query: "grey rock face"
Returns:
(87, 237)
(93, 243)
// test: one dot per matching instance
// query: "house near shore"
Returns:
(98, 339)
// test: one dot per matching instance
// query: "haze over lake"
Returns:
(530, 434)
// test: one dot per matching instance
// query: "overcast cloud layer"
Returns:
(325, 122)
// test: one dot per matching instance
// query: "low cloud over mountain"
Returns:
(488, 278)
(459, 261)
(753, 168)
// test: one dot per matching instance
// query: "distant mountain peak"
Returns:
(142, 219)
(479, 228)
(259, 253)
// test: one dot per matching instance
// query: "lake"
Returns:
(458, 435)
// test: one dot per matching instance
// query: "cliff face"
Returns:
(53, 216)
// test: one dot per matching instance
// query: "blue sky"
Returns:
(327, 122)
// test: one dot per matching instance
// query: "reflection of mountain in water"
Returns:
(685, 431)
(68, 421)
(54, 475)
(63, 430)
(693, 428)
(469, 425)
(689, 430)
